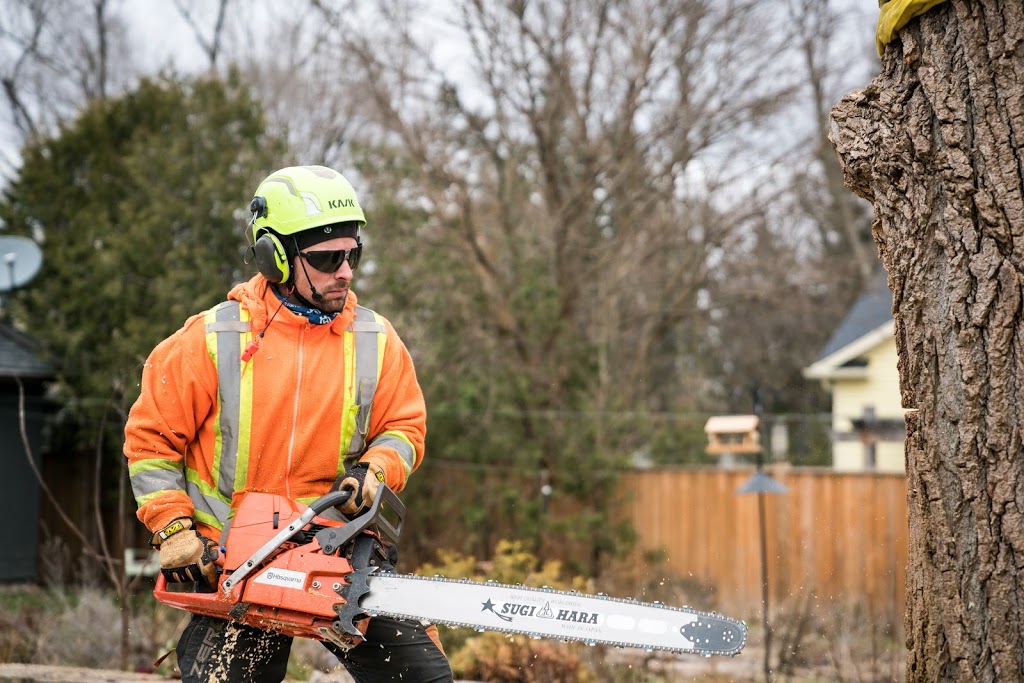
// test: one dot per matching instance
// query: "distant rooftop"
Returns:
(872, 309)
(19, 355)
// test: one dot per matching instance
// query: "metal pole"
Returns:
(759, 411)
(764, 590)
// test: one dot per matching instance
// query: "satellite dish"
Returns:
(20, 259)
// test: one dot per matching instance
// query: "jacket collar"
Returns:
(262, 303)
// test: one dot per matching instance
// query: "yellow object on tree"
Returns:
(894, 15)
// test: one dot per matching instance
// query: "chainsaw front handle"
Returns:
(333, 538)
(337, 537)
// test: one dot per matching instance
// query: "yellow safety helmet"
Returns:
(293, 200)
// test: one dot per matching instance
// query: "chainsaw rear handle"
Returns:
(336, 539)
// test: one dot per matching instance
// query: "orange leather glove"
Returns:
(184, 554)
(363, 481)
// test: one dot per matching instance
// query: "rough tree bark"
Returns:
(936, 143)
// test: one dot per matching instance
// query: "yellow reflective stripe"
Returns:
(364, 358)
(143, 499)
(209, 504)
(244, 424)
(348, 401)
(382, 341)
(227, 331)
(152, 477)
(368, 331)
(401, 444)
(213, 350)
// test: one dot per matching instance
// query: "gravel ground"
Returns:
(38, 673)
(740, 669)
(33, 673)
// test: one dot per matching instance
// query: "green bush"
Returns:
(499, 657)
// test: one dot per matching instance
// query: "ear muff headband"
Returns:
(272, 258)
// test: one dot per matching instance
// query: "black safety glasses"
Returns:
(330, 261)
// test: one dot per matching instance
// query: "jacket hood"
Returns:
(256, 296)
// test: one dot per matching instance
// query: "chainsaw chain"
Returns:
(741, 627)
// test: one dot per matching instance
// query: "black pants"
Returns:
(227, 652)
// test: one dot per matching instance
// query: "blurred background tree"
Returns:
(137, 205)
(593, 223)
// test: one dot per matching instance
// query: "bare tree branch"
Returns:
(211, 46)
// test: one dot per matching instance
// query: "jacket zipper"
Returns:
(295, 412)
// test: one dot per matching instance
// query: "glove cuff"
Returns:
(175, 527)
(375, 471)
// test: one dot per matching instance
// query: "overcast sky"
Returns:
(160, 34)
(159, 37)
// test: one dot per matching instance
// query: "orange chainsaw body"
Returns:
(297, 589)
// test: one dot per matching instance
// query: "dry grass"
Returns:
(79, 628)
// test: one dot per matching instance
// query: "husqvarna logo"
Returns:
(341, 204)
(284, 578)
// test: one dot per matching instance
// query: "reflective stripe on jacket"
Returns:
(208, 427)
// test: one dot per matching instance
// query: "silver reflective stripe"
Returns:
(156, 480)
(368, 336)
(207, 508)
(228, 326)
(236, 326)
(365, 328)
(404, 449)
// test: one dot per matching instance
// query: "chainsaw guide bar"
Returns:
(298, 570)
(546, 613)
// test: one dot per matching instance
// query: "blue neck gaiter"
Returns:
(314, 315)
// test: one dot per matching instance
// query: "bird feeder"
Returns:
(735, 434)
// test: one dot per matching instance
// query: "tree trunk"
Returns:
(936, 143)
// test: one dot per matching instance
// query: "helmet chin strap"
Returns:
(304, 301)
(312, 288)
(293, 290)
(292, 293)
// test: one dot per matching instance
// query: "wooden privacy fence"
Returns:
(832, 538)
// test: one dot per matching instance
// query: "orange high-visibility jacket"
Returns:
(209, 427)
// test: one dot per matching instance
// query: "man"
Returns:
(289, 388)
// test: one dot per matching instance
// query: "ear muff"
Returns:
(272, 258)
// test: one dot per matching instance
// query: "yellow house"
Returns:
(858, 367)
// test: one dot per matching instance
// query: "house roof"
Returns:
(731, 424)
(868, 323)
(19, 355)
(873, 308)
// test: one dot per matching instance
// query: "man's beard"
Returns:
(333, 305)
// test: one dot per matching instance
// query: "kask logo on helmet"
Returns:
(341, 204)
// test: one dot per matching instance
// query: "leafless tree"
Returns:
(842, 219)
(806, 249)
(578, 163)
(207, 34)
(94, 542)
(592, 140)
(304, 78)
(934, 143)
(60, 55)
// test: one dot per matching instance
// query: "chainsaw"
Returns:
(289, 568)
